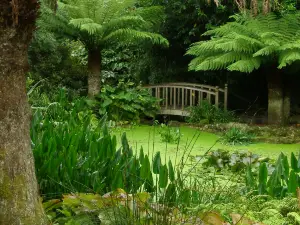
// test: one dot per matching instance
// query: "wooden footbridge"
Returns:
(177, 97)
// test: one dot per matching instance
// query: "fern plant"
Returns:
(248, 43)
(99, 24)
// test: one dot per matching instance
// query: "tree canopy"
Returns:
(246, 44)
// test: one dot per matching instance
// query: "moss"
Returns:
(10, 194)
(5, 190)
(2, 155)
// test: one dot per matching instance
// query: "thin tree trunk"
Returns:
(275, 98)
(19, 197)
(94, 76)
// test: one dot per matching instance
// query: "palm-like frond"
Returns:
(95, 22)
(133, 36)
(244, 45)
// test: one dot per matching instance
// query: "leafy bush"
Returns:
(205, 113)
(236, 136)
(283, 180)
(169, 134)
(126, 102)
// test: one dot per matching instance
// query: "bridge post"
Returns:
(167, 93)
(182, 98)
(175, 98)
(217, 97)
(225, 96)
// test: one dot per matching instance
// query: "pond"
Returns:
(194, 142)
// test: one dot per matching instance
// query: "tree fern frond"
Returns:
(245, 44)
(96, 22)
(91, 28)
(210, 63)
(79, 22)
(131, 22)
(195, 62)
(152, 14)
(288, 57)
(246, 65)
(266, 51)
(136, 36)
(235, 45)
(290, 46)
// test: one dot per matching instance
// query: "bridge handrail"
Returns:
(203, 86)
(184, 87)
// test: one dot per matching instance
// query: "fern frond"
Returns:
(133, 36)
(244, 45)
(245, 65)
(91, 28)
(266, 51)
(130, 22)
(79, 22)
(152, 14)
(96, 22)
(288, 57)
(290, 46)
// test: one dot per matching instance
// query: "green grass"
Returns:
(195, 141)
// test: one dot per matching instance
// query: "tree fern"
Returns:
(244, 44)
(99, 24)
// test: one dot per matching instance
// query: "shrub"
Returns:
(236, 136)
(205, 113)
(126, 102)
(169, 134)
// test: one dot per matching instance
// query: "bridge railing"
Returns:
(178, 96)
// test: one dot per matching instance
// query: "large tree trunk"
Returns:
(278, 99)
(94, 76)
(19, 197)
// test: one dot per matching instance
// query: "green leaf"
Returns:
(141, 158)
(262, 178)
(170, 196)
(285, 167)
(163, 176)
(171, 172)
(293, 183)
(250, 182)
(145, 168)
(294, 162)
(156, 163)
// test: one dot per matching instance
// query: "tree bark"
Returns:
(19, 198)
(278, 106)
(94, 76)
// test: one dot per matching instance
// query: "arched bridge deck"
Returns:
(177, 97)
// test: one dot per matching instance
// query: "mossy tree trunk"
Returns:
(94, 76)
(278, 99)
(19, 197)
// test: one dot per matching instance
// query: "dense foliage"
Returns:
(245, 44)
(97, 177)
(126, 102)
(206, 113)
(73, 150)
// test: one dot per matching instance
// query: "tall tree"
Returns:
(101, 23)
(246, 45)
(19, 199)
